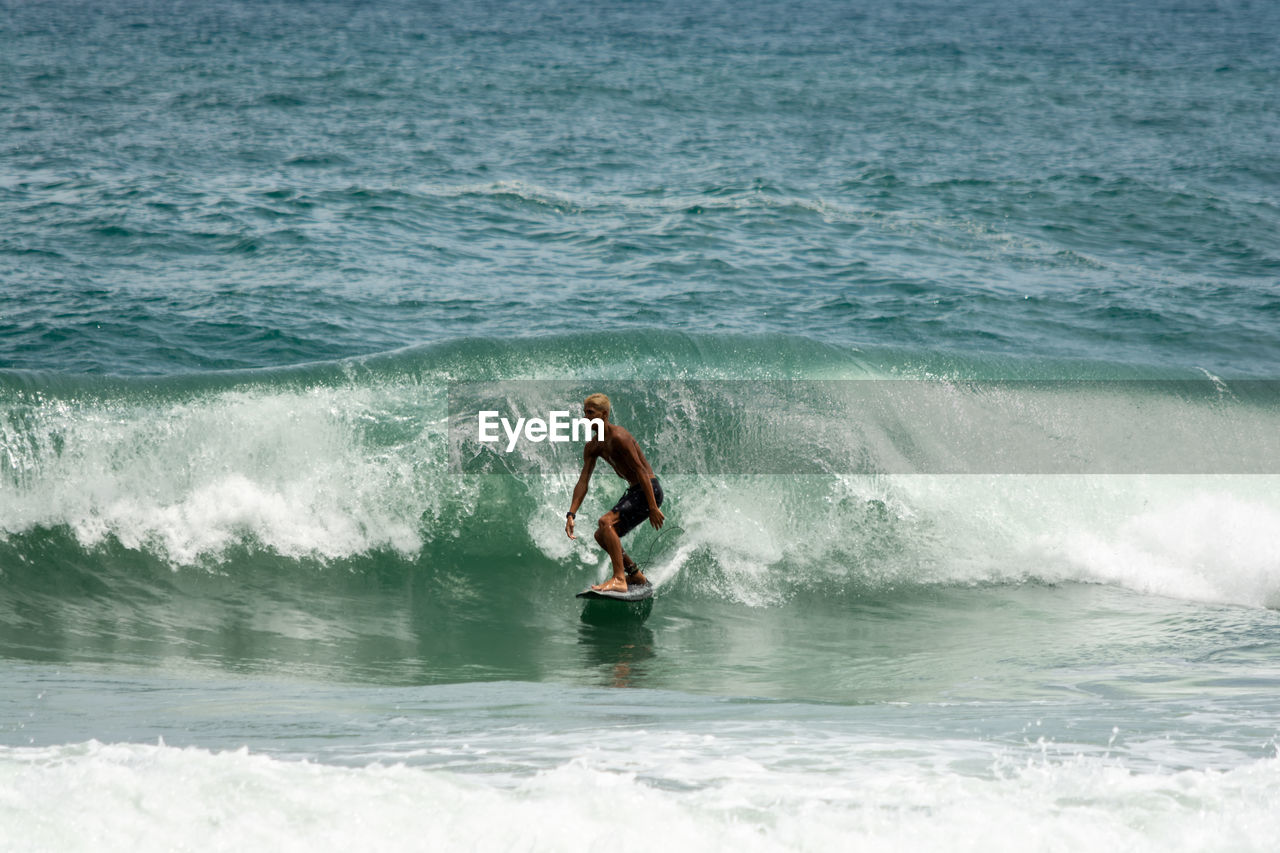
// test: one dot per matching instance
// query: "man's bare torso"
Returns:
(623, 454)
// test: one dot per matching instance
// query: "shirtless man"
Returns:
(641, 500)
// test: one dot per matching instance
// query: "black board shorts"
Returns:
(633, 507)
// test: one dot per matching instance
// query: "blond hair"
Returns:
(600, 401)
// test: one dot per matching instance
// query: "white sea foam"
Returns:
(1214, 539)
(1205, 544)
(139, 798)
(290, 469)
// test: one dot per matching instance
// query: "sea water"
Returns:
(250, 598)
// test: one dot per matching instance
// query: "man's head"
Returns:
(596, 406)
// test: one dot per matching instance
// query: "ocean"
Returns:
(949, 327)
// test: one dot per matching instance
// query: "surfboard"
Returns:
(635, 592)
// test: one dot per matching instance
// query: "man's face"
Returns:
(591, 410)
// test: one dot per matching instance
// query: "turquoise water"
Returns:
(950, 329)
(253, 184)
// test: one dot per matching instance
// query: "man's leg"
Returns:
(634, 575)
(608, 539)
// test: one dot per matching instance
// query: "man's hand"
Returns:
(656, 518)
(568, 528)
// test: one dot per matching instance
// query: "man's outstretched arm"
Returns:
(580, 489)
(655, 515)
(641, 464)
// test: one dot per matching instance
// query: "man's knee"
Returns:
(605, 524)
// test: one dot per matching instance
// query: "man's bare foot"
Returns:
(611, 585)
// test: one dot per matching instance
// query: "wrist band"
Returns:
(570, 515)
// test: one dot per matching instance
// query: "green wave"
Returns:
(346, 467)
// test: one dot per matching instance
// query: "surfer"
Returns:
(641, 500)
